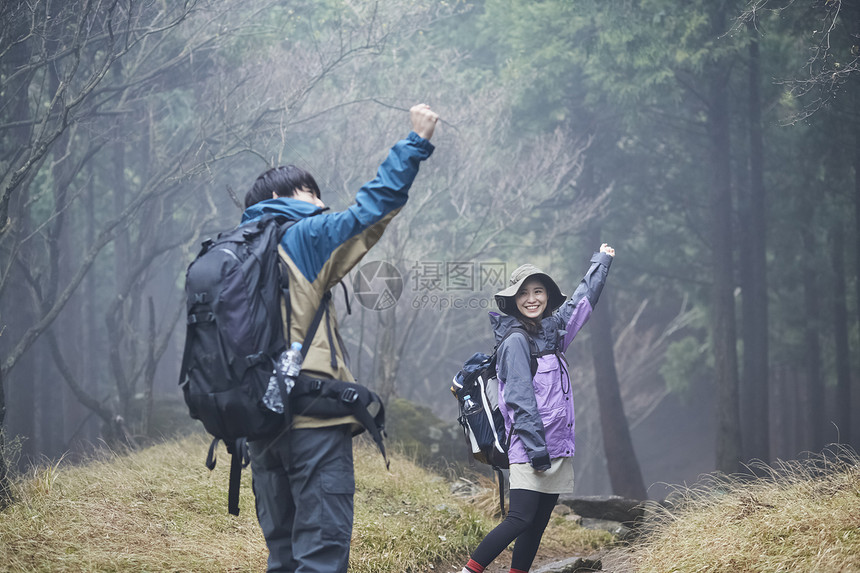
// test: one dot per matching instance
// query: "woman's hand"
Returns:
(605, 248)
(541, 462)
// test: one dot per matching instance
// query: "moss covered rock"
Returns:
(418, 433)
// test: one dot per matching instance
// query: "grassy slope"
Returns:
(806, 517)
(160, 509)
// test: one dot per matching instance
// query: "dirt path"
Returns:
(544, 562)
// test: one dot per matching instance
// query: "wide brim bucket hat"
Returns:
(506, 299)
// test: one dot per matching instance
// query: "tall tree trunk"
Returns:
(92, 369)
(14, 58)
(386, 350)
(56, 241)
(5, 492)
(122, 261)
(22, 388)
(781, 423)
(811, 392)
(43, 403)
(722, 294)
(149, 370)
(21, 395)
(840, 335)
(755, 408)
(625, 475)
(855, 394)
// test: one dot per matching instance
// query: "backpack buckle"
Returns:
(316, 386)
(196, 317)
(349, 395)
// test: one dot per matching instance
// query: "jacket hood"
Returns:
(292, 208)
(547, 339)
(502, 324)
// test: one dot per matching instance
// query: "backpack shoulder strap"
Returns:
(284, 274)
(312, 329)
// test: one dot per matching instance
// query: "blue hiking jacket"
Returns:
(323, 246)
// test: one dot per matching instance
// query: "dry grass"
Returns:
(160, 509)
(802, 516)
(407, 519)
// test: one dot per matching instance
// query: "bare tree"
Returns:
(79, 42)
(154, 97)
(834, 47)
(465, 207)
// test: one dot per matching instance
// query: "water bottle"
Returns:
(469, 405)
(288, 367)
(290, 363)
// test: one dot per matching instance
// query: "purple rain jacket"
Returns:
(540, 410)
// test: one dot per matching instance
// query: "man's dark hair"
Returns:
(283, 181)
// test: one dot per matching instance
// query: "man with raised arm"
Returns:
(303, 478)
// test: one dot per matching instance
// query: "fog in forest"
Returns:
(716, 147)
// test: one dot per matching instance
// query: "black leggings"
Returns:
(526, 520)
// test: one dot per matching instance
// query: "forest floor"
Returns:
(552, 561)
(159, 509)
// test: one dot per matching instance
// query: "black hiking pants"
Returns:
(527, 518)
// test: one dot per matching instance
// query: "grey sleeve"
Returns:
(513, 366)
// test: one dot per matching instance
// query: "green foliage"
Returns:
(686, 361)
(422, 436)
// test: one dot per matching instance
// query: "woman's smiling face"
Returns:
(532, 299)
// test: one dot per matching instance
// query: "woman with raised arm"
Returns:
(538, 409)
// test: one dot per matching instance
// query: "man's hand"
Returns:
(423, 120)
(604, 248)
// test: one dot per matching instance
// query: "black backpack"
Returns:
(234, 331)
(234, 335)
(234, 289)
(484, 427)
